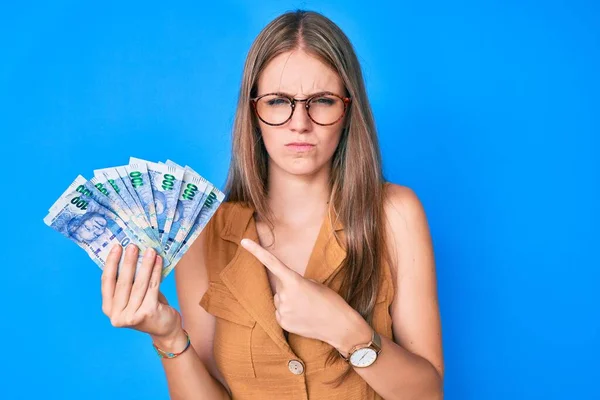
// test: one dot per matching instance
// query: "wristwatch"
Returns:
(364, 355)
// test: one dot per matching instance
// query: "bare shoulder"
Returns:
(406, 220)
(402, 205)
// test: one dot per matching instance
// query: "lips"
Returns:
(300, 146)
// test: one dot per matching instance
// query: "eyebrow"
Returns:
(291, 95)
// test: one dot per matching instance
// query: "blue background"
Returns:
(489, 110)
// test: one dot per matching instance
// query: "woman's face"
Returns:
(300, 75)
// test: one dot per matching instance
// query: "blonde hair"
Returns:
(356, 180)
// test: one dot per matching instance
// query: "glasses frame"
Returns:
(293, 101)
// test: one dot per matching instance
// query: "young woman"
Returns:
(331, 294)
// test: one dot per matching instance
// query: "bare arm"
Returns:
(187, 375)
(411, 366)
(194, 374)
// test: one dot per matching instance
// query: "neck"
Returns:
(295, 199)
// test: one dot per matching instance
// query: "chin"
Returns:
(305, 166)
(300, 169)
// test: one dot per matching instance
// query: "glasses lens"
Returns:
(326, 109)
(274, 109)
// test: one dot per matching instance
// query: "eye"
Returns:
(275, 101)
(324, 100)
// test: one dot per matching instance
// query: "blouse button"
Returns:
(296, 367)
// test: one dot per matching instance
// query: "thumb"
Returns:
(162, 299)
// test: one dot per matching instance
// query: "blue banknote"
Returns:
(137, 171)
(212, 203)
(191, 198)
(163, 206)
(123, 189)
(124, 175)
(120, 207)
(92, 226)
(166, 184)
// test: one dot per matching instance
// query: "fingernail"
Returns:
(131, 248)
(115, 248)
(149, 252)
(157, 259)
(244, 242)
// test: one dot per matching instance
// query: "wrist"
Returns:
(172, 342)
(353, 332)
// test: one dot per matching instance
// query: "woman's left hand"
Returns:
(306, 307)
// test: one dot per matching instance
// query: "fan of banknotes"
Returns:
(159, 205)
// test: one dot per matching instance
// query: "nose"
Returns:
(300, 121)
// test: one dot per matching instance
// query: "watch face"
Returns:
(363, 357)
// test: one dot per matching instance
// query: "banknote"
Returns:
(120, 207)
(108, 179)
(166, 183)
(191, 198)
(89, 224)
(123, 189)
(137, 171)
(210, 206)
(160, 205)
(124, 175)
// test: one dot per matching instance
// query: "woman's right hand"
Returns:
(137, 304)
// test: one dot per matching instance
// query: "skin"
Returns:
(409, 367)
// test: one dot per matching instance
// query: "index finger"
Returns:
(273, 264)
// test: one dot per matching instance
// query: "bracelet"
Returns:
(165, 354)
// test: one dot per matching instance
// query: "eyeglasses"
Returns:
(324, 108)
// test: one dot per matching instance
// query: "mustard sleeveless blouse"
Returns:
(250, 348)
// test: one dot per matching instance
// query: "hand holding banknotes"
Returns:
(137, 303)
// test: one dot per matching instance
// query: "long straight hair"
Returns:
(356, 179)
